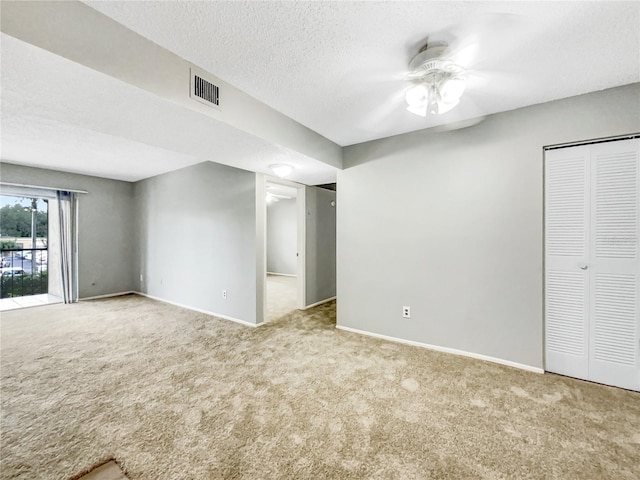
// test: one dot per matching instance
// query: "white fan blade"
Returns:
(482, 41)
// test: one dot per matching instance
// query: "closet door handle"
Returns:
(584, 267)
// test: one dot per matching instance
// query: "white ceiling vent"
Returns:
(203, 90)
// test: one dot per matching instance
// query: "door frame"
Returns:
(261, 234)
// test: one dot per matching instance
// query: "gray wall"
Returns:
(282, 237)
(320, 260)
(197, 237)
(105, 230)
(451, 224)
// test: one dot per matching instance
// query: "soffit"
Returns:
(61, 115)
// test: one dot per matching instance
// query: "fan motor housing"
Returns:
(429, 60)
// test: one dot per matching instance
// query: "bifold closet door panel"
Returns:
(614, 265)
(566, 249)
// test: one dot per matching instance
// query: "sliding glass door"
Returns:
(24, 246)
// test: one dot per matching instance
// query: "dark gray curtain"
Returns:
(68, 212)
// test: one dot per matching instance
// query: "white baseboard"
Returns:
(108, 295)
(199, 310)
(281, 274)
(319, 303)
(437, 348)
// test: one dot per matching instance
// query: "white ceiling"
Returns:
(337, 67)
(61, 115)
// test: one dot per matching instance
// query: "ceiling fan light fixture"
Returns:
(444, 107)
(281, 169)
(436, 97)
(438, 82)
(452, 88)
(433, 107)
(417, 95)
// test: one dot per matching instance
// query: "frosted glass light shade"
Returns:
(444, 107)
(435, 95)
(417, 96)
(452, 89)
(281, 169)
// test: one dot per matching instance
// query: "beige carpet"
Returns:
(281, 296)
(173, 394)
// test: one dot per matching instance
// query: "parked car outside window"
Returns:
(13, 272)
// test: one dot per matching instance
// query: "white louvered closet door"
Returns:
(592, 262)
(614, 265)
(566, 282)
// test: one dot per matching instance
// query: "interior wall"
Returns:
(105, 226)
(451, 224)
(196, 237)
(282, 237)
(320, 260)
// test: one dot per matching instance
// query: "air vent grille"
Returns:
(203, 89)
(206, 90)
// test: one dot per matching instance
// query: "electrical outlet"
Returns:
(406, 312)
(224, 294)
(141, 278)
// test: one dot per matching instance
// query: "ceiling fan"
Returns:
(437, 82)
(445, 65)
(447, 78)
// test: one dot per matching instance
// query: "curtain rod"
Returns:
(590, 142)
(41, 188)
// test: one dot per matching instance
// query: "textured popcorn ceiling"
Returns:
(337, 67)
(78, 120)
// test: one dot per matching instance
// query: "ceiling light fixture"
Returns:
(281, 169)
(438, 83)
(271, 198)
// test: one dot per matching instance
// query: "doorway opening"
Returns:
(284, 235)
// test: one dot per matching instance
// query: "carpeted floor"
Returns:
(173, 394)
(281, 296)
